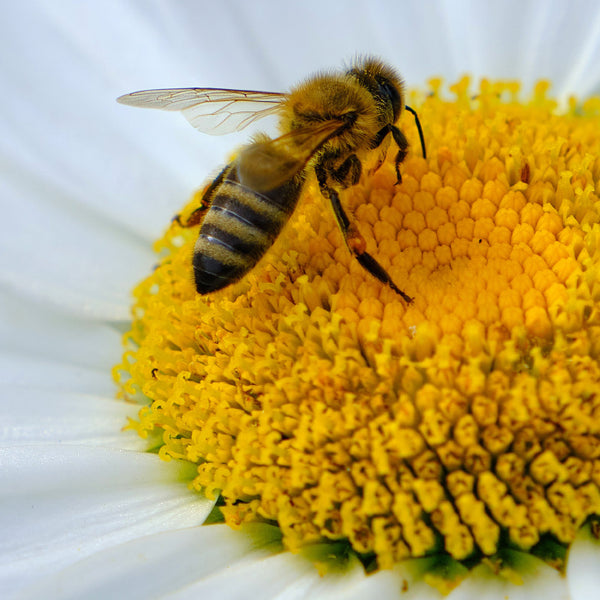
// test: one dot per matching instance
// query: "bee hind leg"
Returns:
(198, 213)
(353, 238)
(195, 217)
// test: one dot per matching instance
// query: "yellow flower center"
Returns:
(312, 396)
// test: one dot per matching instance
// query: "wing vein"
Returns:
(210, 110)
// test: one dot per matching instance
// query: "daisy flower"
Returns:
(321, 438)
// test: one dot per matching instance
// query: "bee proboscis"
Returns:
(329, 123)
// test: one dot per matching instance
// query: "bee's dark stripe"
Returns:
(229, 240)
(244, 212)
(207, 268)
(211, 274)
(221, 251)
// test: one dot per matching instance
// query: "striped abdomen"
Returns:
(238, 228)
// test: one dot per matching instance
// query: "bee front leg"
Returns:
(401, 142)
(354, 240)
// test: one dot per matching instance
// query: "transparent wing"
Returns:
(266, 165)
(210, 110)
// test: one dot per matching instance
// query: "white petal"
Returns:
(48, 375)
(525, 40)
(583, 566)
(68, 258)
(290, 577)
(71, 144)
(67, 126)
(62, 503)
(31, 416)
(36, 330)
(539, 581)
(403, 581)
(258, 574)
(159, 565)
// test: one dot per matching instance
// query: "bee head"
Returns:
(383, 84)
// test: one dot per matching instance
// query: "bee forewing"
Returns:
(212, 111)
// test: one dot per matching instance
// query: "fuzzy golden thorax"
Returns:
(325, 97)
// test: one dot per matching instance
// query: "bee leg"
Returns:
(353, 238)
(205, 202)
(349, 172)
(194, 218)
(401, 142)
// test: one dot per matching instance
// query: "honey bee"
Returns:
(329, 123)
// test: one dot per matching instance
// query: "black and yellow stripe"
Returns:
(239, 227)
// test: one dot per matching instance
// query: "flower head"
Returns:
(312, 396)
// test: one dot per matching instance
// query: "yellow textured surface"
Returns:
(312, 395)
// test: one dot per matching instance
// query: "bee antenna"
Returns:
(414, 112)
